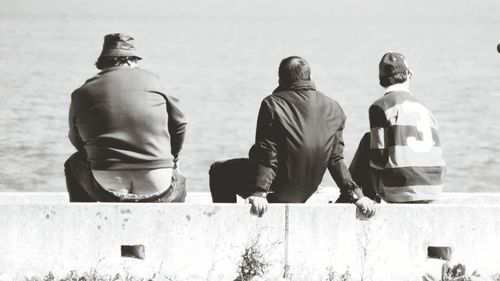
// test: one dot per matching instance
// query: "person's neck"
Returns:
(126, 65)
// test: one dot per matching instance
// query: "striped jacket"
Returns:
(405, 149)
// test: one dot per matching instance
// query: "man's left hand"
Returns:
(365, 207)
(259, 205)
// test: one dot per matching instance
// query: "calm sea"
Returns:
(220, 58)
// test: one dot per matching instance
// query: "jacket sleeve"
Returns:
(378, 142)
(264, 152)
(337, 168)
(176, 126)
(73, 135)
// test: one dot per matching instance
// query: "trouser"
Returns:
(82, 186)
(230, 178)
(233, 177)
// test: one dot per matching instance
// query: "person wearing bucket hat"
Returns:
(400, 159)
(127, 131)
(117, 48)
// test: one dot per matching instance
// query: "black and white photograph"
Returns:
(249, 140)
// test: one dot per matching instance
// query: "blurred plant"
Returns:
(333, 275)
(93, 275)
(458, 272)
(495, 277)
(253, 262)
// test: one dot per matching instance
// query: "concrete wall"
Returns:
(62, 197)
(324, 195)
(206, 241)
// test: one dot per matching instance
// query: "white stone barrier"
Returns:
(323, 196)
(209, 241)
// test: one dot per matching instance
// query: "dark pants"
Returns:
(234, 177)
(82, 186)
(230, 178)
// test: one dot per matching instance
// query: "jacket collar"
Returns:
(297, 85)
(116, 67)
(397, 88)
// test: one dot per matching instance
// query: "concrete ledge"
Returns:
(324, 195)
(207, 241)
(62, 197)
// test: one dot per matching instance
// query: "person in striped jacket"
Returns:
(400, 160)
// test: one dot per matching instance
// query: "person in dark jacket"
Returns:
(128, 133)
(299, 136)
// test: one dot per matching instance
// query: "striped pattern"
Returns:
(398, 135)
(405, 149)
(405, 156)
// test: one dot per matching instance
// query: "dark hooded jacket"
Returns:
(299, 136)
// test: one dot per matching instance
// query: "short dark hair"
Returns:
(105, 61)
(294, 69)
(398, 78)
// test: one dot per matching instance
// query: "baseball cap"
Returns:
(393, 63)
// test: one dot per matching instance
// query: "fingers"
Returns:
(259, 207)
(370, 211)
(253, 210)
(364, 215)
(366, 208)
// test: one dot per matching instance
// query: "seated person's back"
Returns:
(129, 131)
(297, 135)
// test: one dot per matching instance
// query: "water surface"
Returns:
(221, 58)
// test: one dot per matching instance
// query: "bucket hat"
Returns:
(118, 45)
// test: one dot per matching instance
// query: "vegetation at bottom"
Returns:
(93, 275)
(458, 272)
(253, 265)
(333, 275)
(253, 262)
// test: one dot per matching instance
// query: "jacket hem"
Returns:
(108, 165)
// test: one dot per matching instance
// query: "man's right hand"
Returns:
(259, 205)
(365, 208)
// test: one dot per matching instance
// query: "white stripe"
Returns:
(411, 193)
(409, 113)
(404, 156)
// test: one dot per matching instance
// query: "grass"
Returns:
(93, 275)
(253, 264)
(333, 275)
(458, 272)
